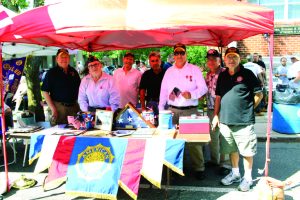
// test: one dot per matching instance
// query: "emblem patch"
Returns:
(94, 161)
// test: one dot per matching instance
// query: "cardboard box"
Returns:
(194, 125)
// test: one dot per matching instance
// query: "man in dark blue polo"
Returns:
(60, 89)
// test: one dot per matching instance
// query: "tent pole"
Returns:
(3, 123)
(271, 52)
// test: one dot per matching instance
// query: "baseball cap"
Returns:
(92, 59)
(129, 54)
(212, 52)
(62, 51)
(232, 50)
(179, 47)
(296, 57)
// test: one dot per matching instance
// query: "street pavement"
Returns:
(284, 163)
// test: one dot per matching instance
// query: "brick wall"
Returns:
(283, 44)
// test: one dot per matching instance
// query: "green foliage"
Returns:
(15, 5)
(196, 54)
(37, 3)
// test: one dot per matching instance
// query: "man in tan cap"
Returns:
(60, 89)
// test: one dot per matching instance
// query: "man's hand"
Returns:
(186, 95)
(54, 113)
(215, 122)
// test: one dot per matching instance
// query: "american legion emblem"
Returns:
(94, 161)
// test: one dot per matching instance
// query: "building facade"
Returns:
(287, 31)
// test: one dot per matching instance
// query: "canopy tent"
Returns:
(96, 25)
(10, 50)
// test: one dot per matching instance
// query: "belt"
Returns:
(93, 109)
(67, 104)
(153, 99)
(182, 107)
(291, 78)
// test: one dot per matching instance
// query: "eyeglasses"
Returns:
(93, 65)
(179, 53)
(231, 57)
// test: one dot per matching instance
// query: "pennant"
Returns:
(174, 155)
(12, 72)
(58, 169)
(132, 165)
(46, 154)
(153, 160)
(36, 143)
(95, 167)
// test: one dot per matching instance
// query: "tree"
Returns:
(33, 84)
(15, 5)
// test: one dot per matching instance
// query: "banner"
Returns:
(174, 155)
(153, 160)
(47, 152)
(95, 167)
(132, 165)
(12, 72)
(58, 169)
(36, 143)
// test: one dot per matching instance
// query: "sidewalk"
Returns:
(261, 131)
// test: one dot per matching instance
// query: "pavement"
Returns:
(285, 162)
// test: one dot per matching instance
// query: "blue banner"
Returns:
(174, 155)
(95, 167)
(12, 72)
(36, 143)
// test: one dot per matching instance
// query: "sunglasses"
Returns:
(179, 53)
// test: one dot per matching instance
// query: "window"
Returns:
(283, 9)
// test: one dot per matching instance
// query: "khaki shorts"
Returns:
(238, 138)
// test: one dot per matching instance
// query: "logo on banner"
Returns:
(94, 161)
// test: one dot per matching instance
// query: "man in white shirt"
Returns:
(255, 68)
(293, 73)
(182, 86)
(97, 90)
(128, 81)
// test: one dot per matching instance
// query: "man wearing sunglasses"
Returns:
(238, 92)
(98, 89)
(150, 85)
(60, 89)
(182, 86)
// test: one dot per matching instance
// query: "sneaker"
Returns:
(259, 114)
(245, 185)
(230, 179)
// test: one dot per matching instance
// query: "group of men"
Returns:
(232, 94)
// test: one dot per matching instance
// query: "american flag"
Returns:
(128, 118)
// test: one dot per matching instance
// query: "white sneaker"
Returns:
(230, 179)
(245, 185)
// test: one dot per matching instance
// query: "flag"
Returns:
(132, 165)
(130, 118)
(174, 155)
(12, 72)
(36, 143)
(95, 167)
(47, 152)
(153, 160)
(58, 169)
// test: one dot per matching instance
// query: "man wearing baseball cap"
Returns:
(60, 89)
(183, 84)
(214, 65)
(238, 92)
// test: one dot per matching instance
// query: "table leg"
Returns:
(25, 152)
(168, 182)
